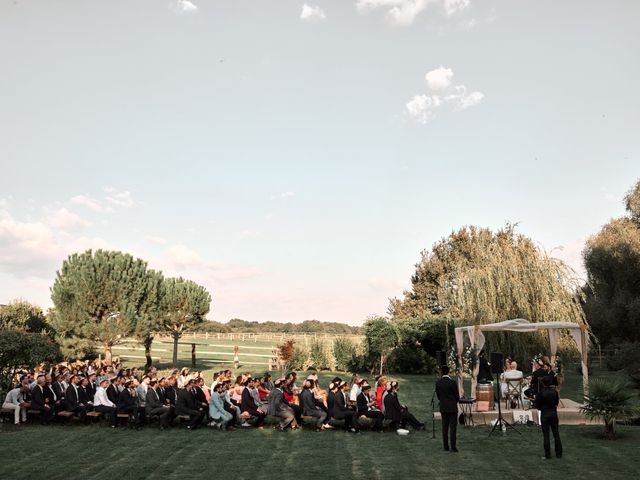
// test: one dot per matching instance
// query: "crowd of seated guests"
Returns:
(231, 402)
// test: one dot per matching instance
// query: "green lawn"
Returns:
(96, 452)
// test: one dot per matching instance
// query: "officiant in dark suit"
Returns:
(449, 396)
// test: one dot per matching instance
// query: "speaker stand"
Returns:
(501, 423)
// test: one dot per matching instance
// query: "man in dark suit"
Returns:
(40, 402)
(154, 406)
(367, 407)
(278, 407)
(187, 405)
(72, 399)
(113, 393)
(58, 389)
(342, 409)
(310, 407)
(449, 396)
(170, 391)
(128, 403)
(547, 402)
(248, 403)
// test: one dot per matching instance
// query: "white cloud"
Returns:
(117, 198)
(439, 79)
(90, 203)
(404, 12)
(312, 13)
(184, 6)
(63, 218)
(451, 7)
(442, 95)
(466, 101)
(155, 239)
(282, 195)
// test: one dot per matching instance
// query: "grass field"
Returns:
(96, 452)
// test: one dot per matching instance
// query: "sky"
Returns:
(295, 158)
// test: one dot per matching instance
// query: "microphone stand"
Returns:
(433, 405)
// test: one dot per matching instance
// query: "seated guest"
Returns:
(187, 405)
(155, 406)
(141, 390)
(219, 416)
(41, 402)
(91, 386)
(59, 389)
(170, 391)
(205, 390)
(128, 403)
(369, 407)
(266, 385)
(51, 396)
(72, 399)
(102, 404)
(15, 400)
(86, 394)
(310, 407)
(342, 410)
(248, 403)
(278, 407)
(230, 407)
(290, 392)
(509, 375)
(381, 388)
(399, 414)
(235, 393)
(355, 389)
(113, 392)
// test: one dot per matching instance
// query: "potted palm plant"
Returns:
(609, 400)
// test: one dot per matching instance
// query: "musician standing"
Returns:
(448, 395)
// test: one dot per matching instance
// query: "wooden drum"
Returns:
(484, 393)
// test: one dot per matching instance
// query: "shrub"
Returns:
(609, 400)
(20, 350)
(318, 356)
(626, 357)
(408, 358)
(344, 351)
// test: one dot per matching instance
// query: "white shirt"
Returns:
(100, 398)
(355, 391)
(14, 396)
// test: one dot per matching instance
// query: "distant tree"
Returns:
(24, 350)
(381, 337)
(612, 260)
(184, 305)
(479, 276)
(22, 316)
(102, 296)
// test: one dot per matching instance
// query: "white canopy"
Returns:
(477, 340)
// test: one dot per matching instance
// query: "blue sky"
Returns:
(296, 157)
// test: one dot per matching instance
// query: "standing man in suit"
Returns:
(449, 396)
(187, 405)
(547, 402)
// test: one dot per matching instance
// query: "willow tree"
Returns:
(477, 276)
(184, 305)
(101, 296)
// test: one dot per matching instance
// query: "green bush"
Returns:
(345, 352)
(408, 358)
(626, 356)
(20, 350)
(609, 400)
(318, 356)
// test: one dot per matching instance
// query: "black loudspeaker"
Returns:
(441, 358)
(497, 363)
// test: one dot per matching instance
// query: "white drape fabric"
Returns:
(477, 341)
